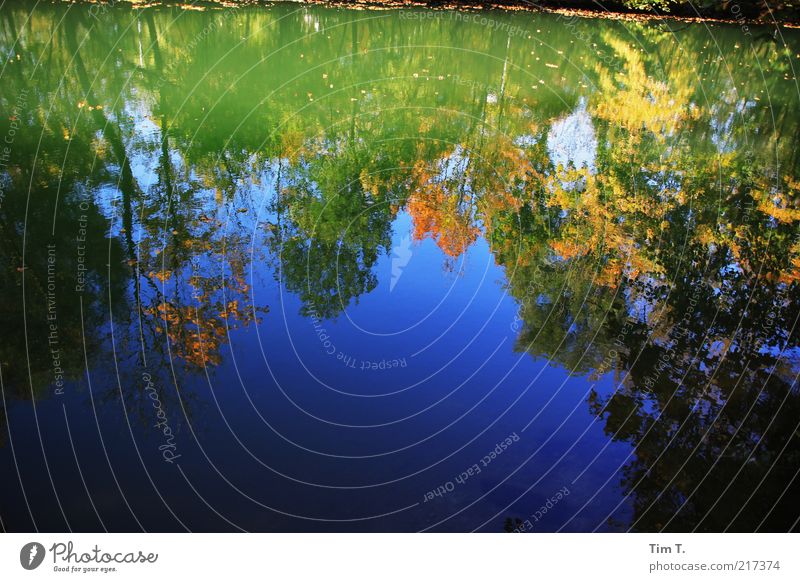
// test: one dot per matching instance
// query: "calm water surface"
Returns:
(297, 268)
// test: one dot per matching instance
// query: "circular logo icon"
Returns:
(31, 555)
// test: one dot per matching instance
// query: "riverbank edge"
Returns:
(587, 9)
(551, 7)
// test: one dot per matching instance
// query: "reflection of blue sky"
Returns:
(453, 166)
(724, 115)
(526, 141)
(571, 140)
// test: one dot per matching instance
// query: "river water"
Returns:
(298, 268)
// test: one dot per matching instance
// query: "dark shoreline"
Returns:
(739, 13)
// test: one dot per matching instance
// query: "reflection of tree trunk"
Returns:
(126, 183)
(164, 161)
(354, 40)
(49, 66)
(17, 70)
(794, 160)
(12, 26)
(10, 239)
(151, 28)
(279, 196)
(503, 80)
(166, 168)
(353, 112)
(662, 58)
(481, 134)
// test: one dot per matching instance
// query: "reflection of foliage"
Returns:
(197, 329)
(334, 221)
(646, 273)
(663, 5)
(785, 10)
(440, 213)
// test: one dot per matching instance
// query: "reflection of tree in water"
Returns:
(331, 227)
(695, 320)
(138, 239)
(31, 222)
